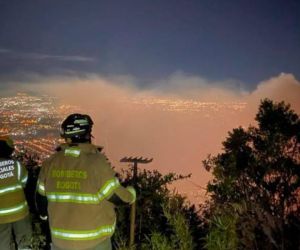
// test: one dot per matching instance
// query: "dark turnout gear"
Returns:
(6, 146)
(78, 183)
(13, 205)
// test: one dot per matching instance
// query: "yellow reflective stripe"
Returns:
(13, 210)
(10, 189)
(24, 180)
(73, 197)
(86, 198)
(133, 192)
(19, 170)
(81, 122)
(109, 187)
(84, 234)
(75, 152)
(41, 188)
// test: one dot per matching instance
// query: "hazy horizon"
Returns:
(178, 125)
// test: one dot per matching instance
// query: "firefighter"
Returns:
(78, 190)
(13, 206)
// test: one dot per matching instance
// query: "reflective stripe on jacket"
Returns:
(78, 181)
(13, 177)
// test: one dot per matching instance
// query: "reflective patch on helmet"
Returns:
(81, 122)
(100, 232)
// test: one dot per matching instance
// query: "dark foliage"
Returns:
(152, 194)
(260, 168)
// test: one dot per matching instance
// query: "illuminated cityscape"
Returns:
(33, 122)
(189, 106)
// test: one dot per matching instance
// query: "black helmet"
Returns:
(6, 146)
(77, 127)
(7, 140)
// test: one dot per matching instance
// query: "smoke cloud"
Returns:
(178, 122)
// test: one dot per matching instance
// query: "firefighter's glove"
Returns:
(44, 218)
(133, 192)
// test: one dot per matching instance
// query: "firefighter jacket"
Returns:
(78, 183)
(13, 177)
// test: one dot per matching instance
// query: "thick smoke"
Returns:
(178, 135)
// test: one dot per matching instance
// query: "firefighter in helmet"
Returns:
(13, 206)
(78, 189)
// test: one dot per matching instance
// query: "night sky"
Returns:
(247, 41)
(103, 56)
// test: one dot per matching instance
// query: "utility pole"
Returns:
(135, 161)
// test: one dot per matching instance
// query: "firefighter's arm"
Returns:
(123, 195)
(42, 205)
(41, 199)
(112, 190)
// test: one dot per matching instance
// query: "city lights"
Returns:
(33, 122)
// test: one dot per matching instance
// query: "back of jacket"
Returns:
(13, 177)
(77, 182)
